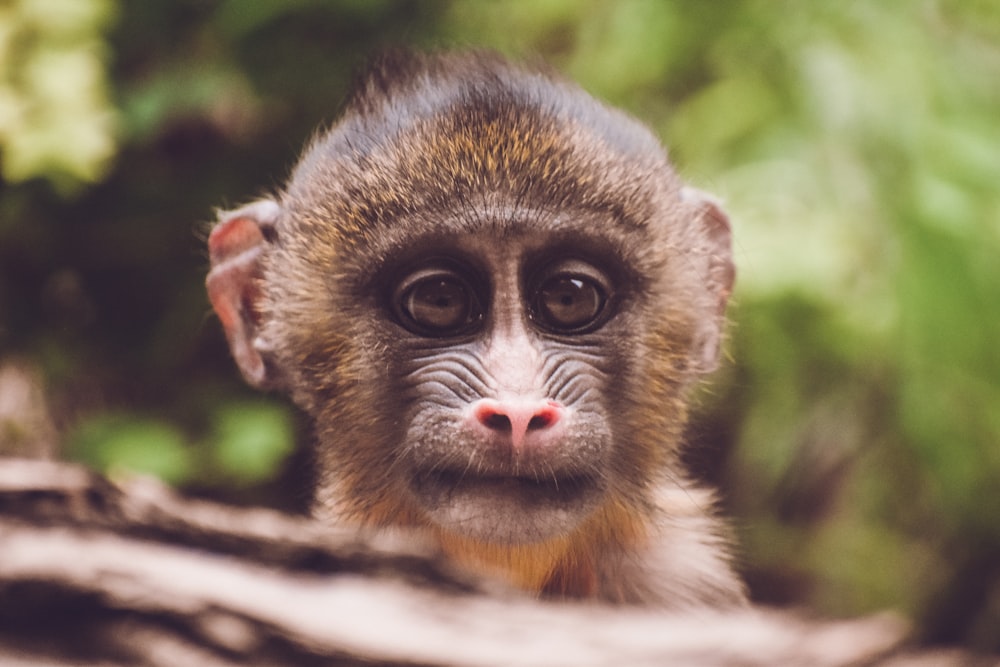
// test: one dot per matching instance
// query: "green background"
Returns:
(855, 428)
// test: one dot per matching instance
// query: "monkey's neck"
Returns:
(563, 567)
(566, 566)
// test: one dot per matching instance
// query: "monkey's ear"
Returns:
(721, 273)
(235, 247)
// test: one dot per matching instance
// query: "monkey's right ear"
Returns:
(235, 247)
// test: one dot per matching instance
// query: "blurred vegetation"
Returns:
(856, 431)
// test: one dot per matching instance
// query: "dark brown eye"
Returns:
(437, 302)
(570, 298)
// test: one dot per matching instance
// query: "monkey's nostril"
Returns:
(496, 421)
(538, 422)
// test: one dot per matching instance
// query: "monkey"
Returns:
(491, 295)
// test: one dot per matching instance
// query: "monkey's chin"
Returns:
(506, 509)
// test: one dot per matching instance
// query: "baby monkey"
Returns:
(491, 294)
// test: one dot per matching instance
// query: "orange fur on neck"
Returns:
(565, 566)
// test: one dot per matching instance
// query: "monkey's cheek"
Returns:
(507, 510)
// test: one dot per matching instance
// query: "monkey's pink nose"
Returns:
(519, 420)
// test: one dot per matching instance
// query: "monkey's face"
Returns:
(497, 371)
(503, 355)
(494, 369)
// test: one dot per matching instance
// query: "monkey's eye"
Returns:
(437, 302)
(570, 297)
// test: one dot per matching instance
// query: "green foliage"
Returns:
(855, 144)
(247, 442)
(55, 118)
(251, 439)
(115, 443)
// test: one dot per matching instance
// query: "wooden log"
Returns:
(94, 572)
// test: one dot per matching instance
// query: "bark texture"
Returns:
(94, 572)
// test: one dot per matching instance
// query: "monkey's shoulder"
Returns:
(687, 559)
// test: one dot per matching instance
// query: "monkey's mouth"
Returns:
(506, 509)
(548, 490)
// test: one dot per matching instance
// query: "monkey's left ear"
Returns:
(721, 273)
(235, 247)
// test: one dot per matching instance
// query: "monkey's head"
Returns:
(489, 291)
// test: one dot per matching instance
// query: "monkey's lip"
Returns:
(506, 508)
(553, 489)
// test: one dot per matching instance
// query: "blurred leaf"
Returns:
(55, 118)
(112, 442)
(251, 439)
(190, 88)
(726, 112)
